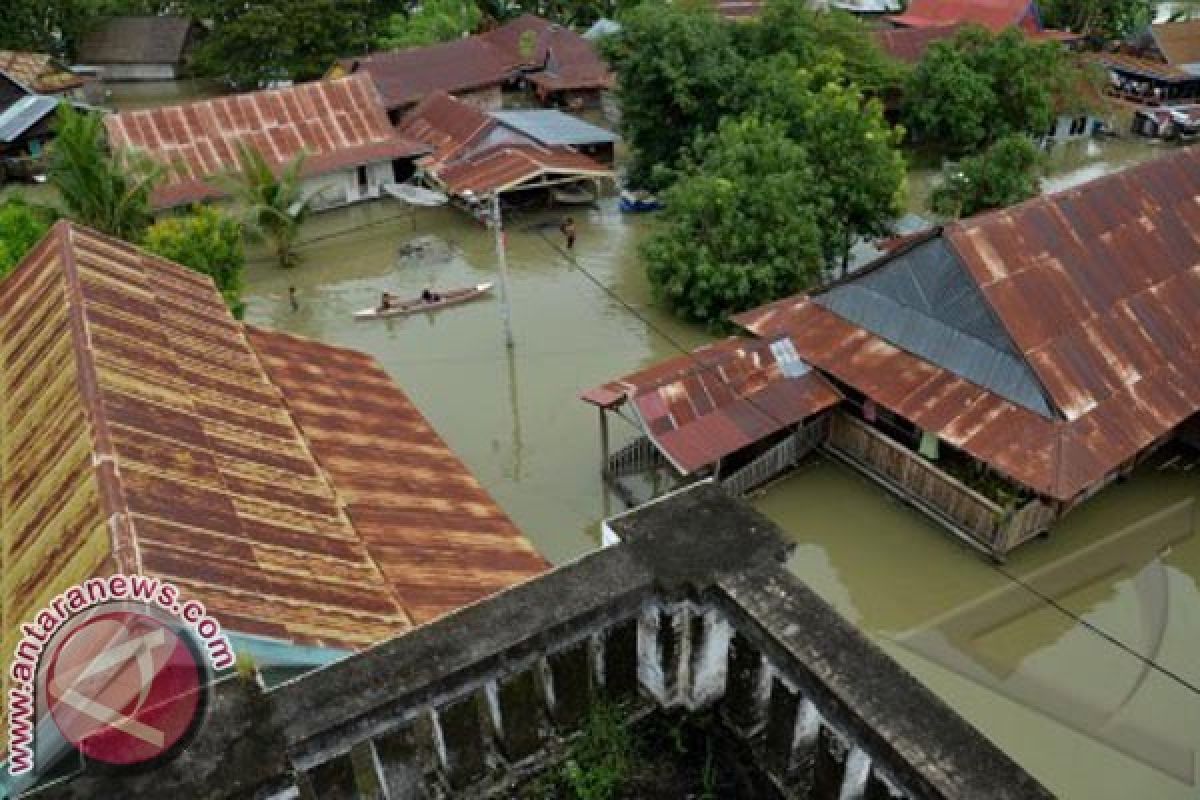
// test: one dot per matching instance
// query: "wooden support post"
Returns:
(603, 442)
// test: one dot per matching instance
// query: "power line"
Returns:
(1051, 602)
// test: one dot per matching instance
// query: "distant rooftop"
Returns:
(24, 114)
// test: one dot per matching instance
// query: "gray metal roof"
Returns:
(924, 301)
(24, 114)
(554, 127)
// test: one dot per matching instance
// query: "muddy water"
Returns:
(1095, 709)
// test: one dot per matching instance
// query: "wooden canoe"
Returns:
(416, 305)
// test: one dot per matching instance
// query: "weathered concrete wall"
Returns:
(692, 611)
(132, 73)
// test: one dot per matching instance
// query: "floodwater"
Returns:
(1081, 661)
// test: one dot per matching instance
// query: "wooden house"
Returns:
(150, 48)
(1163, 67)
(1001, 370)
(353, 152)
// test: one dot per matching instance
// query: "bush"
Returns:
(21, 227)
(1005, 174)
(209, 242)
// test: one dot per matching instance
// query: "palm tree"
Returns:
(274, 205)
(108, 193)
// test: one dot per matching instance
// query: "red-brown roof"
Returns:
(466, 157)
(146, 432)
(339, 123)
(909, 44)
(406, 76)
(1098, 288)
(560, 58)
(711, 403)
(996, 15)
(1141, 66)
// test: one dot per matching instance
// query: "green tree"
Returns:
(1008, 172)
(852, 149)
(676, 66)
(820, 39)
(273, 203)
(1106, 19)
(256, 42)
(105, 192)
(977, 87)
(21, 227)
(209, 242)
(433, 21)
(741, 226)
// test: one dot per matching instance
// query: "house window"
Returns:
(1078, 126)
(362, 180)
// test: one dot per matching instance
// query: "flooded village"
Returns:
(976, 466)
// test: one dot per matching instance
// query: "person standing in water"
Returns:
(568, 232)
(292, 298)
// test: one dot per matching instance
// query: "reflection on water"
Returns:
(1103, 708)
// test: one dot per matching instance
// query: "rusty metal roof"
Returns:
(1179, 42)
(471, 154)
(157, 39)
(406, 76)
(560, 58)
(339, 123)
(39, 72)
(708, 404)
(996, 15)
(440, 539)
(1157, 70)
(909, 44)
(155, 441)
(1097, 286)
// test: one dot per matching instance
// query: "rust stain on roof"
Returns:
(154, 440)
(39, 72)
(440, 539)
(1099, 289)
(473, 152)
(909, 44)
(338, 123)
(711, 403)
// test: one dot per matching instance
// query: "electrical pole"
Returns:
(502, 258)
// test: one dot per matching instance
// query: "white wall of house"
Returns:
(138, 72)
(349, 185)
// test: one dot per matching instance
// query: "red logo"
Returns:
(124, 688)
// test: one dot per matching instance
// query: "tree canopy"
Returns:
(21, 227)
(971, 90)
(110, 193)
(741, 225)
(1004, 174)
(433, 21)
(209, 242)
(1106, 19)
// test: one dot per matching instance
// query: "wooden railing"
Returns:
(780, 458)
(638, 456)
(948, 500)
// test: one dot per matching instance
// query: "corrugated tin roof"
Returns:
(551, 127)
(922, 300)
(996, 15)
(909, 44)
(156, 442)
(560, 58)
(38, 71)
(468, 156)
(1099, 289)
(406, 76)
(703, 406)
(339, 123)
(24, 114)
(439, 538)
(1179, 42)
(137, 40)
(1141, 67)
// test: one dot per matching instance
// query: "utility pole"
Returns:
(502, 258)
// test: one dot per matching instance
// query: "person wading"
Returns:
(568, 232)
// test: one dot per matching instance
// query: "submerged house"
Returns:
(558, 64)
(1164, 67)
(353, 152)
(1001, 370)
(475, 154)
(288, 485)
(740, 411)
(150, 48)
